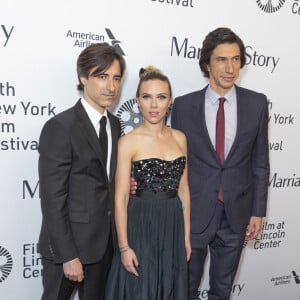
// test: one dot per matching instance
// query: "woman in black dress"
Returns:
(153, 225)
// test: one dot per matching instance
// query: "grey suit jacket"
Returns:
(245, 174)
(76, 194)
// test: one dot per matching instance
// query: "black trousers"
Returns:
(58, 287)
(225, 249)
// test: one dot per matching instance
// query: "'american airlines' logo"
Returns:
(114, 42)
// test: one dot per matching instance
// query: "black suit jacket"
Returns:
(76, 193)
(245, 174)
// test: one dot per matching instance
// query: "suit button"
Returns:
(109, 213)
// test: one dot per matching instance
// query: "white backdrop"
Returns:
(39, 44)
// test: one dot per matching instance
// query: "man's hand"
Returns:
(133, 186)
(253, 228)
(73, 270)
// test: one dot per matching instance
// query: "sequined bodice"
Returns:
(157, 175)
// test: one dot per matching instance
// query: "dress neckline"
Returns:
(160, 159)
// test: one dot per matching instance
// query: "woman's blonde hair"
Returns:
(152, 73)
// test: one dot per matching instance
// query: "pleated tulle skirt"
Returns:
(156, 234)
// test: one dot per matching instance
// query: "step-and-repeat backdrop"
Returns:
(39, 44)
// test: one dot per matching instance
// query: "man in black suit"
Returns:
(77, 181)
(229, 190)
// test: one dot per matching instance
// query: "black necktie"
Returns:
(220, 137)
(103, 138)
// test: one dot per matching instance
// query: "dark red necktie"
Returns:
(220, 137)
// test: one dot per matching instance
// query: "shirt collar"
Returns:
(213, 97)
(93, 114)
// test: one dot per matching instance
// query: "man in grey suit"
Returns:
(229, 194)
(77, 181)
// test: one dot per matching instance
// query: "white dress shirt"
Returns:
(95, 118)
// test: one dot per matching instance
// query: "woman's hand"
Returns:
(188, 249)
(130, 261)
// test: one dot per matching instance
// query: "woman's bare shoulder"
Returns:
(178, 134)
(129, 138)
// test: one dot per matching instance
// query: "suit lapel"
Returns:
(240, 115)
(88, 131)
(203, 124)
(115, 133)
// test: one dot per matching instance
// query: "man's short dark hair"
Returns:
(216, 37)
(100, 55)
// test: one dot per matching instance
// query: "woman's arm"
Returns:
(122, 180)
(184, 195)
